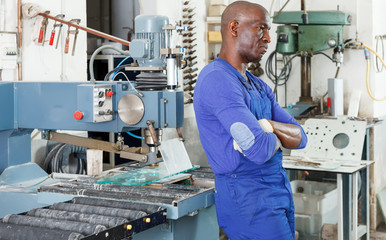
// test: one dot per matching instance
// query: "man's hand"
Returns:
(289, 135)
(267, 127)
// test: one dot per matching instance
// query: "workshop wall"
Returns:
(45, 63)
(379, 89)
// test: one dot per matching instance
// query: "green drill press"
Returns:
(305, 34)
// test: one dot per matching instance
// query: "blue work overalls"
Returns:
(255, 201)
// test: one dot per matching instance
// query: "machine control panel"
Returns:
(102, 103)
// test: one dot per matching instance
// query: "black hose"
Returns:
(285, 71)
(114, 70)
(59, 157)
(324, 54)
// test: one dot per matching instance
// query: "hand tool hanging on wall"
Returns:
(189, 22)
(190, 70)
(43, 29)
(67, 44)
(75, 32)
(190, 52)
(89, 30)
(188, 76)
(189, 34)
(190, 58)
(56, 24)
(188, 16)
(192, 63)
(189, 46)
(189, 40)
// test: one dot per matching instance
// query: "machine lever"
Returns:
(125, 152)
(152, 131)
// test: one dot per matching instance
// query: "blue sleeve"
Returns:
(225, 98)
(280, 115)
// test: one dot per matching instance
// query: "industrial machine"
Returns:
(306, 34)
(152, 102)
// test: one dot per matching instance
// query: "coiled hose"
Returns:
(58, 159)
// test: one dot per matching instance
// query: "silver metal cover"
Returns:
(131, 109)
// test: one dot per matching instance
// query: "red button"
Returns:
(109, 93)
(78, 115)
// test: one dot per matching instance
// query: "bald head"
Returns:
(237, 10)
(245, 33)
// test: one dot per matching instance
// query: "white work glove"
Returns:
(236, 146)
(264, 124)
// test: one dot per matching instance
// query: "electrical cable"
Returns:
(95, 53)
(59, 155)
(276, 79)
(337, 72)
(332, 60)
(122, 74)
(107, 76)
(285, 71)
(119, 64)
(139, 93)
(367, 57)
(134, 136)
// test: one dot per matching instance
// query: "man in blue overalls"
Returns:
(241, 128)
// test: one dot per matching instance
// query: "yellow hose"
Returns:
(368, 71)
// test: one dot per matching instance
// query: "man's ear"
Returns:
(233, 27)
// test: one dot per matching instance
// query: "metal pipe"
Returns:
(117, 204)
(169, 193)
(20, 41)
(107, 194)
(18, 232)
(89, 30)
(105, 211)
(305, 79)
(79, 227)
(94, 219)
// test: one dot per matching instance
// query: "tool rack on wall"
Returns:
(189, 43)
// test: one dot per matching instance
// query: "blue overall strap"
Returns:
(260, 104)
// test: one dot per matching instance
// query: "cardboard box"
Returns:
(216, 10)
(214, 36)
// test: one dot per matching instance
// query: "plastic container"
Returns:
(315, 205)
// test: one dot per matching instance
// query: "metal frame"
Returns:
(347, 187)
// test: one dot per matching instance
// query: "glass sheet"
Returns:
(142, 176)
(174, 155)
